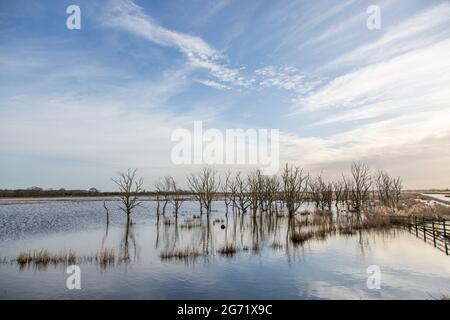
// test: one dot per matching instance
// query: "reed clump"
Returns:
(277, 246)
(180, 254)
(190, 225)
(106, 257)
(228, 250)
(346, 230)
(44, 257)
(300, 237)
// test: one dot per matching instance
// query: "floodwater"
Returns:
(267, 265)
(442, 198)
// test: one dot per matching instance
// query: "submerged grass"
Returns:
(106, 257)
(277, 246)
(300, 237)
(43, 258)
(180, 254)
(228, 250)
(190, 225)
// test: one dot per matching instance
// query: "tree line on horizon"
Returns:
(253, 192)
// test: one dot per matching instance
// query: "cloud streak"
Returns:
(127, 15)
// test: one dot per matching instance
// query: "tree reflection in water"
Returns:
(207, 237)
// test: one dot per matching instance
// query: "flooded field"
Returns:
(199, 257)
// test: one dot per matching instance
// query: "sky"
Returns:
(77, 106)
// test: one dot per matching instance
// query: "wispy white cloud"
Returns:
(395, 107)
(128, 15)
(344, 28)
(423, 29)
(213, 84)
(131, 17)
(288, 78)
(399, 83)
(407, 135)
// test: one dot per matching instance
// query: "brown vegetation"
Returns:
(43, 257)
(228, 250)
(180, 254)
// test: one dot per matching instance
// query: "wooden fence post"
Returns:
(417, 231)
(424, 230)
(434, 233)
(445, 237)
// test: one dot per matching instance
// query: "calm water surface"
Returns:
(267, 265)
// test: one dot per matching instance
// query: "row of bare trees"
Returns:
(256, 192)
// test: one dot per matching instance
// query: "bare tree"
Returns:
(163, 189)
(397, 191)
(176, 197)
(226, 190)
(321, 193)
(314, 188)
(273, 191)
(269, 191)
(254, 182)
(107, 213)
(241, 193)
(295, 184)
(362, 183)
(130, 187)
(339, 191)
(383, 186)
(204, 185)
(388, 188)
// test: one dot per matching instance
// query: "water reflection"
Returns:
(232, 233)
(264, 255)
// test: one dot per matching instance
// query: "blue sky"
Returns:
(78, 105)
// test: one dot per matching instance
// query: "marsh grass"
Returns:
(228, 250)
(371, 222)
(277, 246)
(190, 225)
(186, 254)
(324, 231)
(300, 237)
(346, 230)
(106, 257)
(43, 258)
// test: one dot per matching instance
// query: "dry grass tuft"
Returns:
(190, 225)
(299, 238)
(180, 254)
(228, 250)
(277, 246)
(106, 257)
(44, 257)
